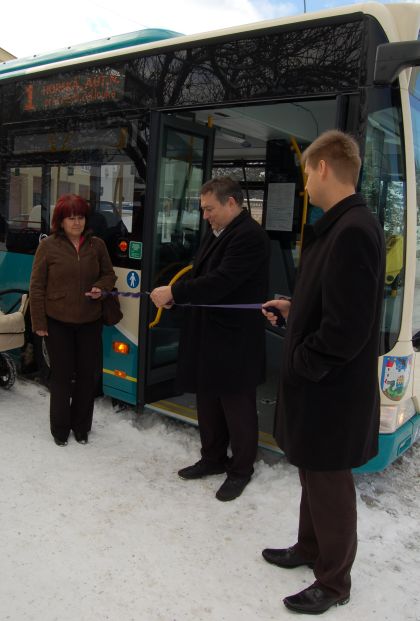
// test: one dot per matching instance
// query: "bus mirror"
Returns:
(392, 58)
(416, 341)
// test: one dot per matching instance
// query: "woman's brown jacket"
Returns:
(61, 276)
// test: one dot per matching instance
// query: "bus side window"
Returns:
(23, 210)
(383, 184)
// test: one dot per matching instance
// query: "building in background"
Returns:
(5, 55)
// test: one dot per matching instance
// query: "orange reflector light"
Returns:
(120, 347)
(120, 373)
(123, 245)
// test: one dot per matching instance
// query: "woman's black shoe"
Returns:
(81, 438)
(60, 442)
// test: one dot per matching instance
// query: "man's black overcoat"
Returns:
(327, 414)
(222, 350)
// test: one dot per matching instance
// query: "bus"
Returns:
(135, 124)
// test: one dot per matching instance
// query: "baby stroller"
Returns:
(12, 335)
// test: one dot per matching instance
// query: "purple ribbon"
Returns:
(256, 306)
(126, 294)
(132, 294)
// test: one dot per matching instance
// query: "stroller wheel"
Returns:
(7, 371)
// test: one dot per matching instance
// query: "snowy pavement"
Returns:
(108, 531)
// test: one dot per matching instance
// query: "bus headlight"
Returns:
(120, 347)
(393, 416)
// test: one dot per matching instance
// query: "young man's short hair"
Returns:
(340, 151)
(223, 188)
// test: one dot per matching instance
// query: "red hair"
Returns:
(68, 205)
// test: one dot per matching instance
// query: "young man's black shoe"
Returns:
(313, 601)
(286, 557)
(201, 469)
(232, 488)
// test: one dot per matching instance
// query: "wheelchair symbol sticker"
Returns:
(133, 280)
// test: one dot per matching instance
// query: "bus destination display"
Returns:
(79, 90)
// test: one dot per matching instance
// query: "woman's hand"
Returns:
(94, 293)
(41, 332)
(283, 306)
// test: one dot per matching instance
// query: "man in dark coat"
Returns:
(222, 350)
(327, 418)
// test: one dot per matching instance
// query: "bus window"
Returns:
(176, 228)
(69, 180)
(251, 176)
(117, 194)
(94, 161)
(178, 212)
(384, 186)
(25, 196)
(23, 209)
(110, 190)
(107, 187)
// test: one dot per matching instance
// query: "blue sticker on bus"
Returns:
(133, 280)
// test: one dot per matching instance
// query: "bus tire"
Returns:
(7, 371)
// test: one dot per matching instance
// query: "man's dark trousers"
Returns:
(328, 527)
(229, 418)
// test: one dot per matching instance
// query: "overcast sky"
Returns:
(32, 27)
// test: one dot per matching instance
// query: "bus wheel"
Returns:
(7, 371)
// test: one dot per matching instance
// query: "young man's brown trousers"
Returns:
(328, 527)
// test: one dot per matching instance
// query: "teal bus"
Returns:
(136, 123)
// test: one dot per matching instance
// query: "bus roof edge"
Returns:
(90, 48)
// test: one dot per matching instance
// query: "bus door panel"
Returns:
(179, 162)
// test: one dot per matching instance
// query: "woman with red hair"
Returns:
(71, 270)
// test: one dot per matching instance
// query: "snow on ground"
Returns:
(108, 531)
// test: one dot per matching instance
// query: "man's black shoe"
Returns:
(232, 488)
(287, 558)
(60, 442)
(313, 601)
(201, 469)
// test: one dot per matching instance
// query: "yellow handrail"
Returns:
(178, 275)
(298, 152)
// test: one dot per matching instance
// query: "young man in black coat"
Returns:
(222, 353)
(327, 418)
